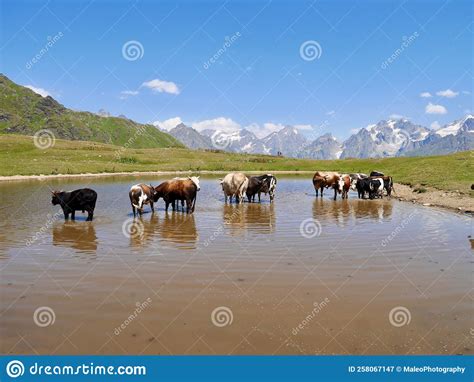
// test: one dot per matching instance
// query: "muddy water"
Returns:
(301, 276)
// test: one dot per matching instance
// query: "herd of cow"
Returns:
(181, 191)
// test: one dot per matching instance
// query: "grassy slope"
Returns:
(19, 156)
(24, 112)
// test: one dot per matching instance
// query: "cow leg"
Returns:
(259, 197)
(335, 194)
(90, 215)
(140, 211)
(317, 192)
(322, 189)
(73, 215)
(189, 204)
(152, 207)
(134, 211)
(167, 204)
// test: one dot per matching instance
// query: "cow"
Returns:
(235, 184)
(355, 177)
(326, 179)
(258, 184)
(177, 190)
(83, 199)
(344, 185)
(141, 194)
(387, 181)
(371, 186)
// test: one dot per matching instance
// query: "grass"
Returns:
(19, 156)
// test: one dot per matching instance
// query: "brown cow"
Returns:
(326, 179)
(344, 185)
(141, 194)
(179, 189)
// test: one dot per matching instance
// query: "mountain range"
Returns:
(394, 137)
(22, 111)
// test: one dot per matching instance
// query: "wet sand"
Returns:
(300, 276)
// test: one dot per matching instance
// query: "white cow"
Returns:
(235, 184)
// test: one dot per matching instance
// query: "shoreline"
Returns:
(450, 200)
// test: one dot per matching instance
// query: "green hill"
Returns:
(22, 111)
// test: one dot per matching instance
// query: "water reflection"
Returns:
(174, 227)
(342, 211)
(76, 235)
(253, 216)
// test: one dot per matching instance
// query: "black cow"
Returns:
(258, 184)
(373, 187)
(78, 200)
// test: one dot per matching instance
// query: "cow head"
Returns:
(339, 184)
(153, 193)
(56, 197)
(195, 180)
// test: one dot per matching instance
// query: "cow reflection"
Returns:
(254, 217)
(80, 236)
(175, 228)
(343, 211)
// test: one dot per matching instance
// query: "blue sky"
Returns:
(323, 66)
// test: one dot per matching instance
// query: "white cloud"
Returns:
(448, 93)
(435, 125)
(40, 91)
(396, 116)
(331, 112)
(426, 95)
(466, 92)
(355, 131)
(435, 109)
(160, 86)
(168, 124)
(220, 123)
(124, 94)
(262, 131)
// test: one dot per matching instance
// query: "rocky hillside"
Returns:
(22, 111)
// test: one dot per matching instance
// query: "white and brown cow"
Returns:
(141, 194)
(326, 179)
(235, 184)
(344, 185)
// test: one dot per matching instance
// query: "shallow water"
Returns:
(302, 275)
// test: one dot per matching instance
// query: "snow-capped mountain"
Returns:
(240, 141)
(456, 136)
(395, 137)
(190, 137)
(288, 141)
(384, 139)
(324, 147)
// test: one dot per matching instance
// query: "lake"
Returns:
(299, 276)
